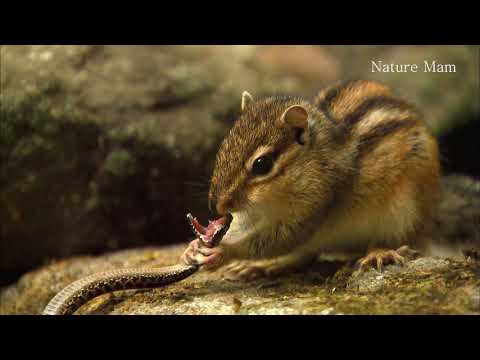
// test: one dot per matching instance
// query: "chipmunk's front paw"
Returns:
(198, 254)
(381, 257)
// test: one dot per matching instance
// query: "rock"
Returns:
(314, 65)
(424, 286)
(372, 281)
(427, 264)
(458, 218)
(474, 300)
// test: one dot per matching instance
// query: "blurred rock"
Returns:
(314, 65)
(458, 219)
(447, 100)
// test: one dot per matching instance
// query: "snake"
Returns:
(79, 292)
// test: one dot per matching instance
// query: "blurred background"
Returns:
(108, 147)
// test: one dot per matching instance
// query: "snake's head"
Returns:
(212, 234)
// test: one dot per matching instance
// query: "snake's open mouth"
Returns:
(212, 234)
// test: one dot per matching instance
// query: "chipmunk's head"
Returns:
(275, 161)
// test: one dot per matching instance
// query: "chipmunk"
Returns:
(355, 169)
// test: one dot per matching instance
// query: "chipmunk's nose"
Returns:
(224, 205)
(221, 203)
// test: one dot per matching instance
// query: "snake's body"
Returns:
(76, 294)
(81, 291)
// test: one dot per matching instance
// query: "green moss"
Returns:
(120, 163)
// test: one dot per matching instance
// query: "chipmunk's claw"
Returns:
(199, 254)
(381, 257)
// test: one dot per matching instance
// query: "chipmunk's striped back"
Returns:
(396, 156)
(367, 110)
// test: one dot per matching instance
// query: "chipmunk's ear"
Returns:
(247, 100)
(296, 117)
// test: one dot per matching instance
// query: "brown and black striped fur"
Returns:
(397, 166)
(365, 174)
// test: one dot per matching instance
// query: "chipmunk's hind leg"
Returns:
(378, 258)
(248, 270)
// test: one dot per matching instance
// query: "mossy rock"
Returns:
(423, 286)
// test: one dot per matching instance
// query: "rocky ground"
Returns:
(423, 286)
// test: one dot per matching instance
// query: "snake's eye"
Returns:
(262, 165)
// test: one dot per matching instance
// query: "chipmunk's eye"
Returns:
(262, 165)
